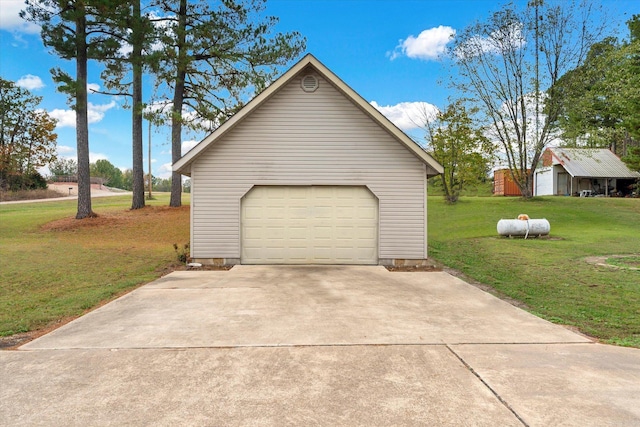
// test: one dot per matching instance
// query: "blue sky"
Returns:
(385, 50)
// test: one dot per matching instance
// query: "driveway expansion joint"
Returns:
(503, 401)
(280, 345)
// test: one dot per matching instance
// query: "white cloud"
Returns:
(95, 113)
(146, 161)
(65, 150)
(165, 171)
(163, 107)
(93, 87)
(94, 157)
(196, 121)
(30, 82)
(429, 44)
(188, 145)
(125, 50)
(407, 115)
(65, 118)
(10, 18)
(498, 42)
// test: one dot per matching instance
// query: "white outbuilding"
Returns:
(308, 172)
(583, 172)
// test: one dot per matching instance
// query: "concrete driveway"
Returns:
(313, 345)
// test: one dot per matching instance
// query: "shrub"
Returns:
(26, 181)
(183, 252)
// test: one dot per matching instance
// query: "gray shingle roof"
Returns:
(592, 163)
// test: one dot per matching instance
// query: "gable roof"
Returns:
(592, 163)
(184, 164)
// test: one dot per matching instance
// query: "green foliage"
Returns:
(164, 184)
(104, 169)
(632, 159)
(123, 75)
(76, 30)
(27, 137)
(127, 180)
(550, 276)
(460, 147)
(24, 181)
(221, 53)
(507, 62)
(182, 252)
(135, 30)
(599, 101)
(62, 167)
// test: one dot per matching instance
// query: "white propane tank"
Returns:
(524, 227)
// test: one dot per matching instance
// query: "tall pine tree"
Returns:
(212, 59)
(123, 75)
(75, 31)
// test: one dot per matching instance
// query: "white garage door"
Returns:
(309, 225)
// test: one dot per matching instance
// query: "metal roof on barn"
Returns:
(592, 163)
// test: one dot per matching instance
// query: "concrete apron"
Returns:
(313, 345)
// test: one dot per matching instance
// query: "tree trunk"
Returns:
(178, 99)
(136, 109)
(82, 123)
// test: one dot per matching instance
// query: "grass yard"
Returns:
(550, 276)
(54, 267)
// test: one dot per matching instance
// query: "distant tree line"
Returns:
(111, 176)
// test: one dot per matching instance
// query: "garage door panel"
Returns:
(253, 213)
(309, 225)
(274, 213)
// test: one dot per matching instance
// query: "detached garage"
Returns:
(308, 172)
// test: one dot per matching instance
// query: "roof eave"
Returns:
(183, 165)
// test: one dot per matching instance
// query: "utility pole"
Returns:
(537, 4)
(149, 197)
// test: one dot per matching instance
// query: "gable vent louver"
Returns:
(309, 83)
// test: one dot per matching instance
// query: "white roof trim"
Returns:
(184, 164)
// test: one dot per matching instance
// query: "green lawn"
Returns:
(53, 267)
(52, 271)
(549, 275)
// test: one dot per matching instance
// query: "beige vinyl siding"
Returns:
(300, 138)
